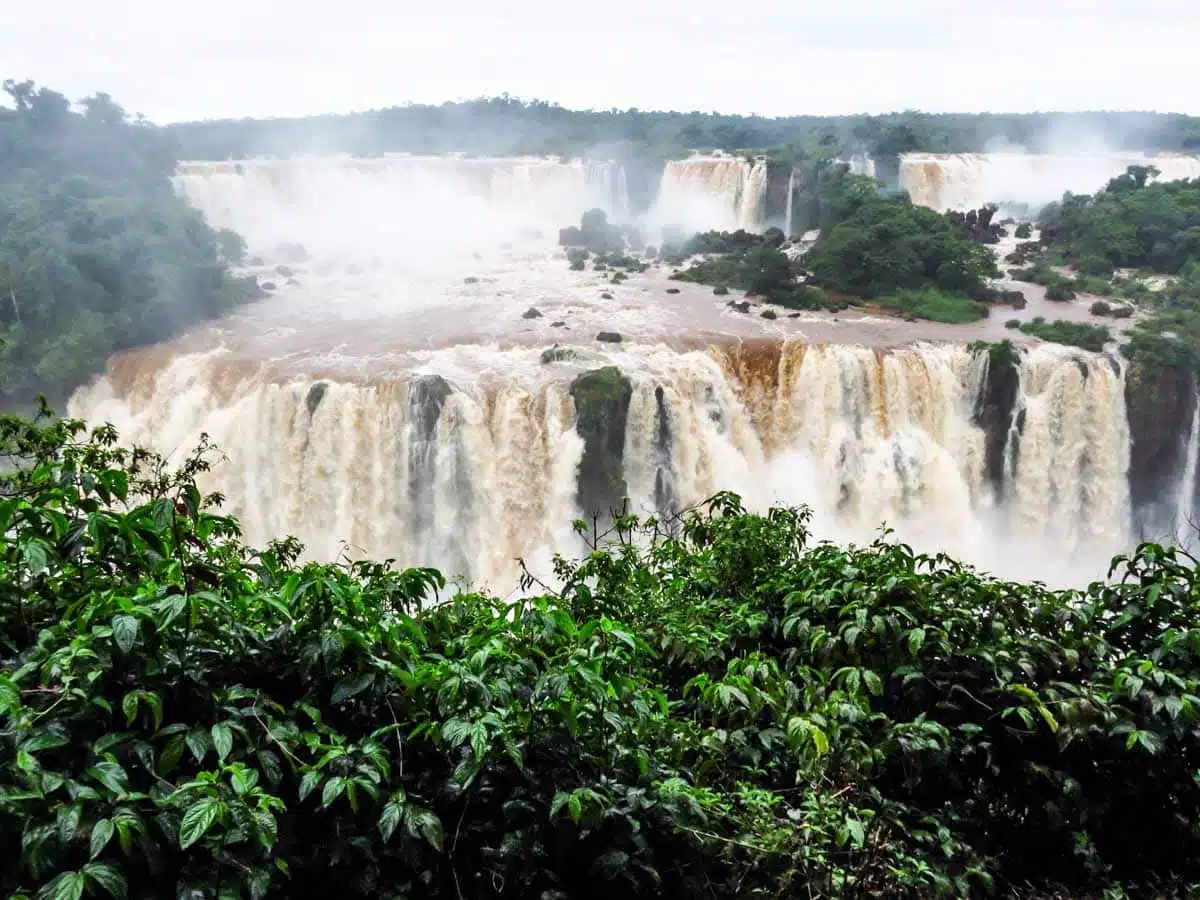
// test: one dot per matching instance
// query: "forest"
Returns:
(712, 705)
(507, 125)
(97, 253)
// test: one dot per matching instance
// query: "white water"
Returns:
(964, 181)
(874, 429)
(722, 193)
(861, 435)
(1185, 496)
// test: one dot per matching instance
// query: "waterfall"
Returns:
(1185, 496)
(468, 471)
(722, 193)
(426, 199)
(791, 194)
(1019, 182)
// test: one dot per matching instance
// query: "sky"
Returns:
(177, 61)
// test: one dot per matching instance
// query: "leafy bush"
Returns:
(1013, 323)
(936, 307)
(707, 707)
(1060, 290)
(1100, 308)
(889, 245)
(1077, 334)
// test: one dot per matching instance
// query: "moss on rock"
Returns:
(601, 411)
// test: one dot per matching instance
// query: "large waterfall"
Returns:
(262, 198)
(718, 192)
(393, 394)
(1018, 181)
(470, 471)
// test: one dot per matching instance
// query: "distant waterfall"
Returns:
(722, 193)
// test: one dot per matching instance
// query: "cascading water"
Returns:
(263, 198)
(1017, 181)
(724, 193)
(471, 471)
(1186, 523)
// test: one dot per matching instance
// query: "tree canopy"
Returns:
(97, 253)
(879, 244)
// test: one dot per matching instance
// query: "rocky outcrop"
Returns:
(426, 399)
(1159, 402)
(995, 408)
(601, 411)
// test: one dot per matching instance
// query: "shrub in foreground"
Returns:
(711, 706)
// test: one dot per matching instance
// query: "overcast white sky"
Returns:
(218, 58)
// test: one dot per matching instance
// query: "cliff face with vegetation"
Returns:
(97, 253)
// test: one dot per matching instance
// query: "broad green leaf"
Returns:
(198, 819)
(389, 820)
(102, 833)
(108, 878)
(308, 782)
(68, 822)
(334, 787)
(244, 781)
(125, 631)
(222, 738)
(66, 886)
(916, 640)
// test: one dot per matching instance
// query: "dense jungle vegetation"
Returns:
(97, 253)
(508, 125)
(1116, 240)
(713, 706)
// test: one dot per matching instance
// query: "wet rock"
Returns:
(797, 315)
(606, 296)
(285, 271)
(720, 290)
(609, 337)
(470, 279)
(292, 282)
(558, 354)
(672, 290)
(601, 411)
(742, 306)
(531, 313)
(769, 314)
(558, 324)
(267, 285)
(316, 394)
(1159, 403)
(995, 406)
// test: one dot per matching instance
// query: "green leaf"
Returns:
(36, 560)
(332, 790)
(125, 631)
(222, 740)
(102, 833)
(107, 877)
(916, 640)
(348, 687)
(116, 482)
(66, 886)
(244, 781)
(129, 706)
(430, 827)
(308, 782)
(198, 742)
(68, 822)
(10, 695)
(198, 820)
(389, 820)
(874, 685)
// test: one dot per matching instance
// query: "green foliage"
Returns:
(888, 245)
(97, 253)
(1060, 290)
(601, 400)
(558, 354)
(749, 262)
(708, 707)
(936, 306)
(1132, 223)
(1077, 334)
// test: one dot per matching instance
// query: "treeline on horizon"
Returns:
(507, 125)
